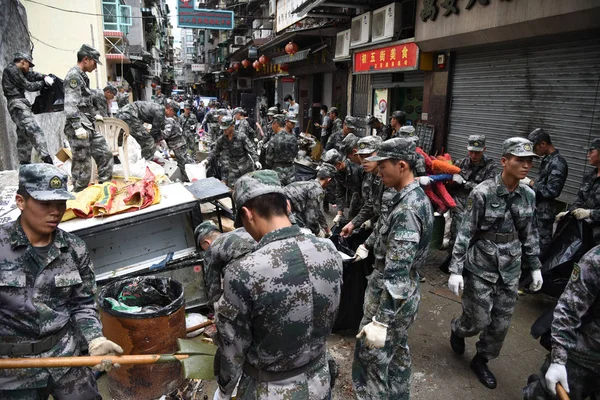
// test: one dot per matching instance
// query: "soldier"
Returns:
(335, 141)
(495, 242)
(122, 97)
(548, 184)
(242, 125)
(383, 131)
(587, 203)
(138, 112)
(85, 142)
(269, 135)
(47, 294)
(336, 129)
(306, 197)
(348, 181)
(188, 125)
(16, 79)
(101, 101)
(160, 98)
(176, 141)
(220, 249)
(382, 365)
(290, 125)
(279, 303)
(574, 360)
(349, 148)
(397, 121)
(234, 146)
(282, 151)
(212, 121)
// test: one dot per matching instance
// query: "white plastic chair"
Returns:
(110, 129)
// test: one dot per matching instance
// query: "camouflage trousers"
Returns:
(286, 175)
(487, 308)
(84, 150)
(192, 146)
(76, 384)
(29, 133)
(544, 227)
(237, 170)
(183, 157)
(583, 383)
(380, 374)
(139, 133)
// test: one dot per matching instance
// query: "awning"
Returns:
(288, 58)
(320, 32)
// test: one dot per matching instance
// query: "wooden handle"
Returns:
(561, 393)
(200, 326)
(88, 361)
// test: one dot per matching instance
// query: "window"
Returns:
(116, 17)
(189, 50)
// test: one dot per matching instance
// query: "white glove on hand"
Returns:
(260, 144)
(556, 373)
(537, 283)
(458, 179)
(258, 165)
(81, 133)
(374, 333)
(581, 213)
(101, 346)
(526, 181)
(49, 80)
(337, 219)
(219, 395)
(204, 163)
(321, 233)
(560, 215)
(424, 180)
(367, 224)
(99, 117)
(456, 284)
(361, 253)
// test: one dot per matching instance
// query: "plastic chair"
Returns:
(110, 129)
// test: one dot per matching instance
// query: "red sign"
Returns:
(288, 80)
(398, 57)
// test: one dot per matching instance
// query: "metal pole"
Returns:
(94, 46)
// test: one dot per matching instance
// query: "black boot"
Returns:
(479, 366)
(47, 160)
(457, 343)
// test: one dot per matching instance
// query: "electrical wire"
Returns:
(87, 13)
(49, 45)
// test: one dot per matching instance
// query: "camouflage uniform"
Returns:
(588, 197)
(371, 191)
(138, 112)
(336, 137)
(122, 99)
(348, 188)
(99, 103)
(80, 114)
(189, 124)
(160, 99)
(576, 334)
(385, 132)
(29, 133)
(400, 244)
(281, 152)
(225, 249)
(493, 266)
(239, 149)
(306, 198)
(245, 128)
(176, 142)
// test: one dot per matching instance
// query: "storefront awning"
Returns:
(288, 58)
(320, 32)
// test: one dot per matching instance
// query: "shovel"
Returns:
(197, 359)
(561, 393)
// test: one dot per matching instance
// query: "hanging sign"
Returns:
(399, 57)
(199, 18)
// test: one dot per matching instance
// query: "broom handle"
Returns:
(199, 326)
(88, 361)
(561, 393)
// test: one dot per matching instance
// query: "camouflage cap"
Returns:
(595, 144)
(222, 111)
(291, 118)
(91, 52)
(535, 136)
(19, 55)
(237, 110)
(326, 171)
(173, 105)
(44, 182)
(272, 111)
(397, 148)
(369, 144)
(110, 88)
(399, 115)
(349, 143)
(518, 146)
(334, 109)
(350, 122)
(226, 122)
(187, 105)
(252, 185)
(371, 120)
(280, 119)
(476, 143)
(204, 229)
(332, 157)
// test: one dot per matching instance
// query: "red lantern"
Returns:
(256, 65)
(153, 85)
(291, 48)
(236, 66)
(245, 63)
(264, 60)
(284, 67)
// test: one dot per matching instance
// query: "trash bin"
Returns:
(153, 330)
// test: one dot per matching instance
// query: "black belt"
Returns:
(261, 375)
(498, 237)
(32, 347)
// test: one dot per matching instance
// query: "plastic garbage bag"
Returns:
(304, 172)
(195, 171)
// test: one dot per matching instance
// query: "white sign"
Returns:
(285, 17)
(8, 205)
(198, 67)
(380, 106)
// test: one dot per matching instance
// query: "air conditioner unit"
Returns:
(361, 30)
(256, 23)
(239, 40)
(342, 44)
(267, 25)
(244, 83)
(386, 21)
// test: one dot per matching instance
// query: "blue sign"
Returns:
(197, 18)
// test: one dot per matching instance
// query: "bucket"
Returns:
(153, 331)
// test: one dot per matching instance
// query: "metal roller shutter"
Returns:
(360, 101)
(409, 79)
(503, 92)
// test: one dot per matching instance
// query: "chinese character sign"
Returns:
(196, 18)
(399, 57)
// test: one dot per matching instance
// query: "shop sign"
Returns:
(403, 56)
(199, 18)
(380, 106)
(285, 16)
(198, 67)
(430, 7)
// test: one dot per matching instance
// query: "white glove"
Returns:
(526, 181)
(81, 133)
(537, 283)
(361, 253)
(219, 395)
(321, 233)
(374, 333)
(99, 117)
(424, 180)
(367, 224)
(458, 179)
(556, 373)
(581, 213)
(101, 346)
(337, 219)
(260, 144)
(456, 284)
(258, 165)
(49, 80)
(204, 163)
(560, 215)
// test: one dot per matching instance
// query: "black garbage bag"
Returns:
(213, 169)
(51, 98)
(304, 172)
(541, 329)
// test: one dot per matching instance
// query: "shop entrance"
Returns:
(409, 100)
